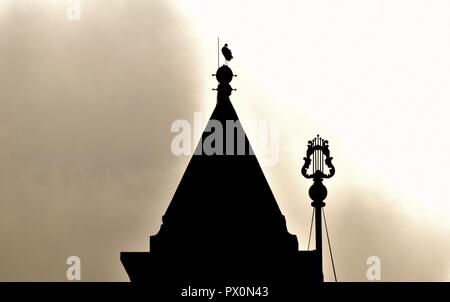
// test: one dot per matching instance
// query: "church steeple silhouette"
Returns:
(223, 224)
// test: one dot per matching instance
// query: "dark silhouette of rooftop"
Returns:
(223, 224)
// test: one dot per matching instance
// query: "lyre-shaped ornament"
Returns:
(318, 156)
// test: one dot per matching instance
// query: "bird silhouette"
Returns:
(227, 53)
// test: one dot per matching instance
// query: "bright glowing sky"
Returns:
(373, 76)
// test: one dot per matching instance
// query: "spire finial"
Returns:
(224, 74)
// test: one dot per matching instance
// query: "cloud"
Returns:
(367, 223)
(86, 108)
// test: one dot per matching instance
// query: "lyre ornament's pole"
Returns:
(318, 193)
(318, 150)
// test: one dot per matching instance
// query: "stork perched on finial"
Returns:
(226, 53)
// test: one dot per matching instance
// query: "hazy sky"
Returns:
(86, 108)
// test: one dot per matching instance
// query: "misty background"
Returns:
(86, 108)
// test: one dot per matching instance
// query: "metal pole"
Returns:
(317, 157)
(318, 218)
(318, 193)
